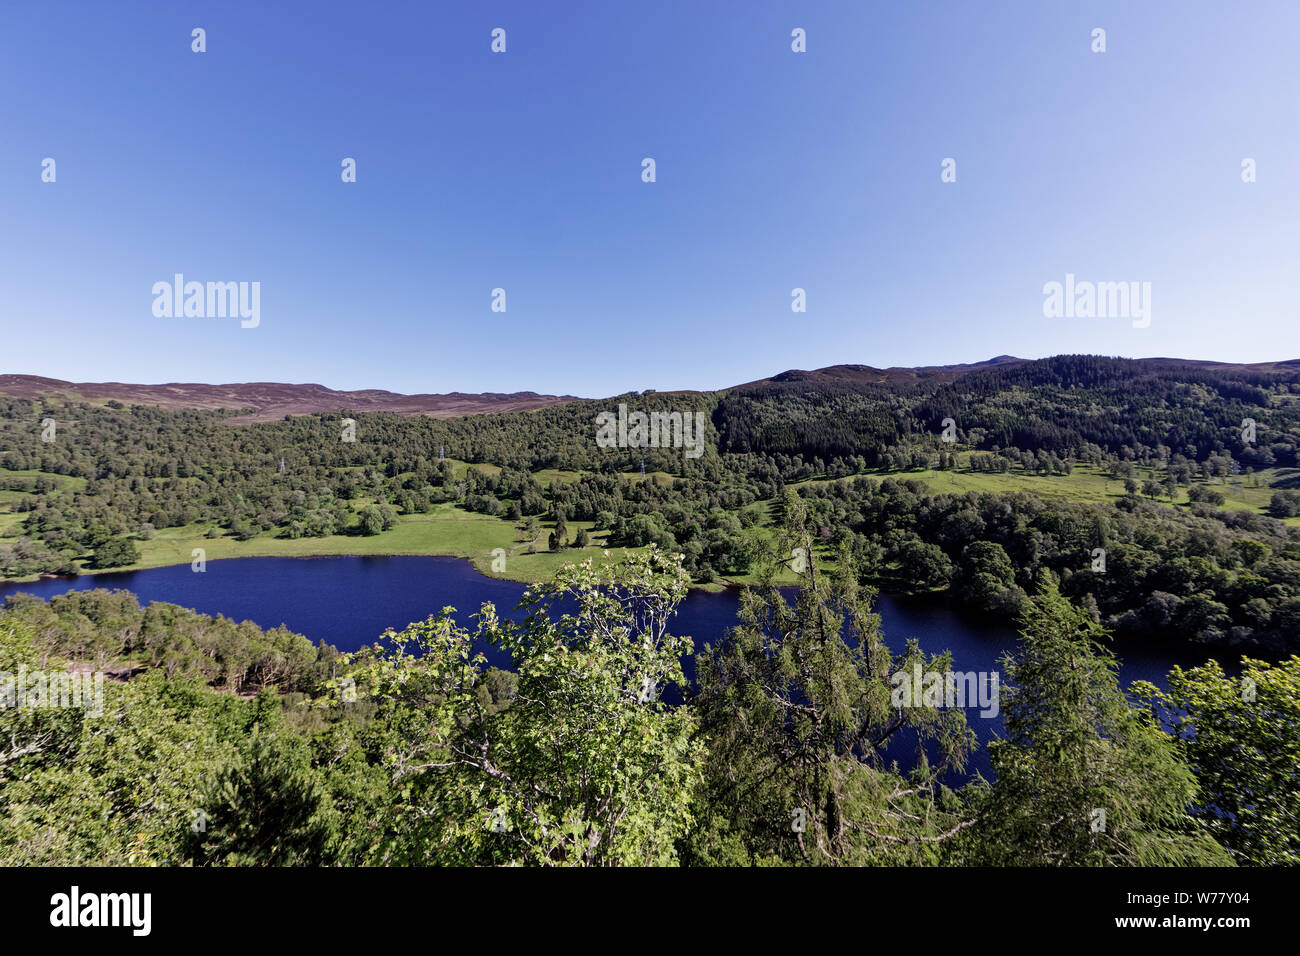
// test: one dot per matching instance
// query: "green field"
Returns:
(11, 523)
(458, 468)
(446, 530)
(545, 476)
(1087, 484)
(450, 530)
(65, 482)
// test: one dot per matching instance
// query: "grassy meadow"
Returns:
(450, 530)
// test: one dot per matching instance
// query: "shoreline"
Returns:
(476, 562)
(1136, 642)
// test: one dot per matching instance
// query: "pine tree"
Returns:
(798, 716)
(1083, 777)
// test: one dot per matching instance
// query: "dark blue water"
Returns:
(351, 601)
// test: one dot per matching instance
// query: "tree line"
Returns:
(790, 749)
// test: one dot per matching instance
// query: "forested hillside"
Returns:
(1089, 500)
(1180, 474)
(215, 744)
(415, 752)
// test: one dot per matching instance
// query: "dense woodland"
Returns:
(222, 744)
(1194, 570)
(1228, 579)
(786, 751)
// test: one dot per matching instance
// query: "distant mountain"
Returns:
(273, 400)
(867, 374)
(939, 374)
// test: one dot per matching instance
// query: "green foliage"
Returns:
(798, 715)
(265, 807)
(1231, 580)
(923, 564)
(110, 626)
(1239, 736)
(118, 789)
(988, 579)
(576, 762)
(1083, 777)
(792, 751)
(114, 553)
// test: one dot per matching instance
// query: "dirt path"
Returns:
(527, 543)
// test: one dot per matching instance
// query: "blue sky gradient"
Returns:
(523, 171)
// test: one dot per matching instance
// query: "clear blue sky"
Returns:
(523, 171)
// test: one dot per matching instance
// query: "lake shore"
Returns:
(495, 547)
